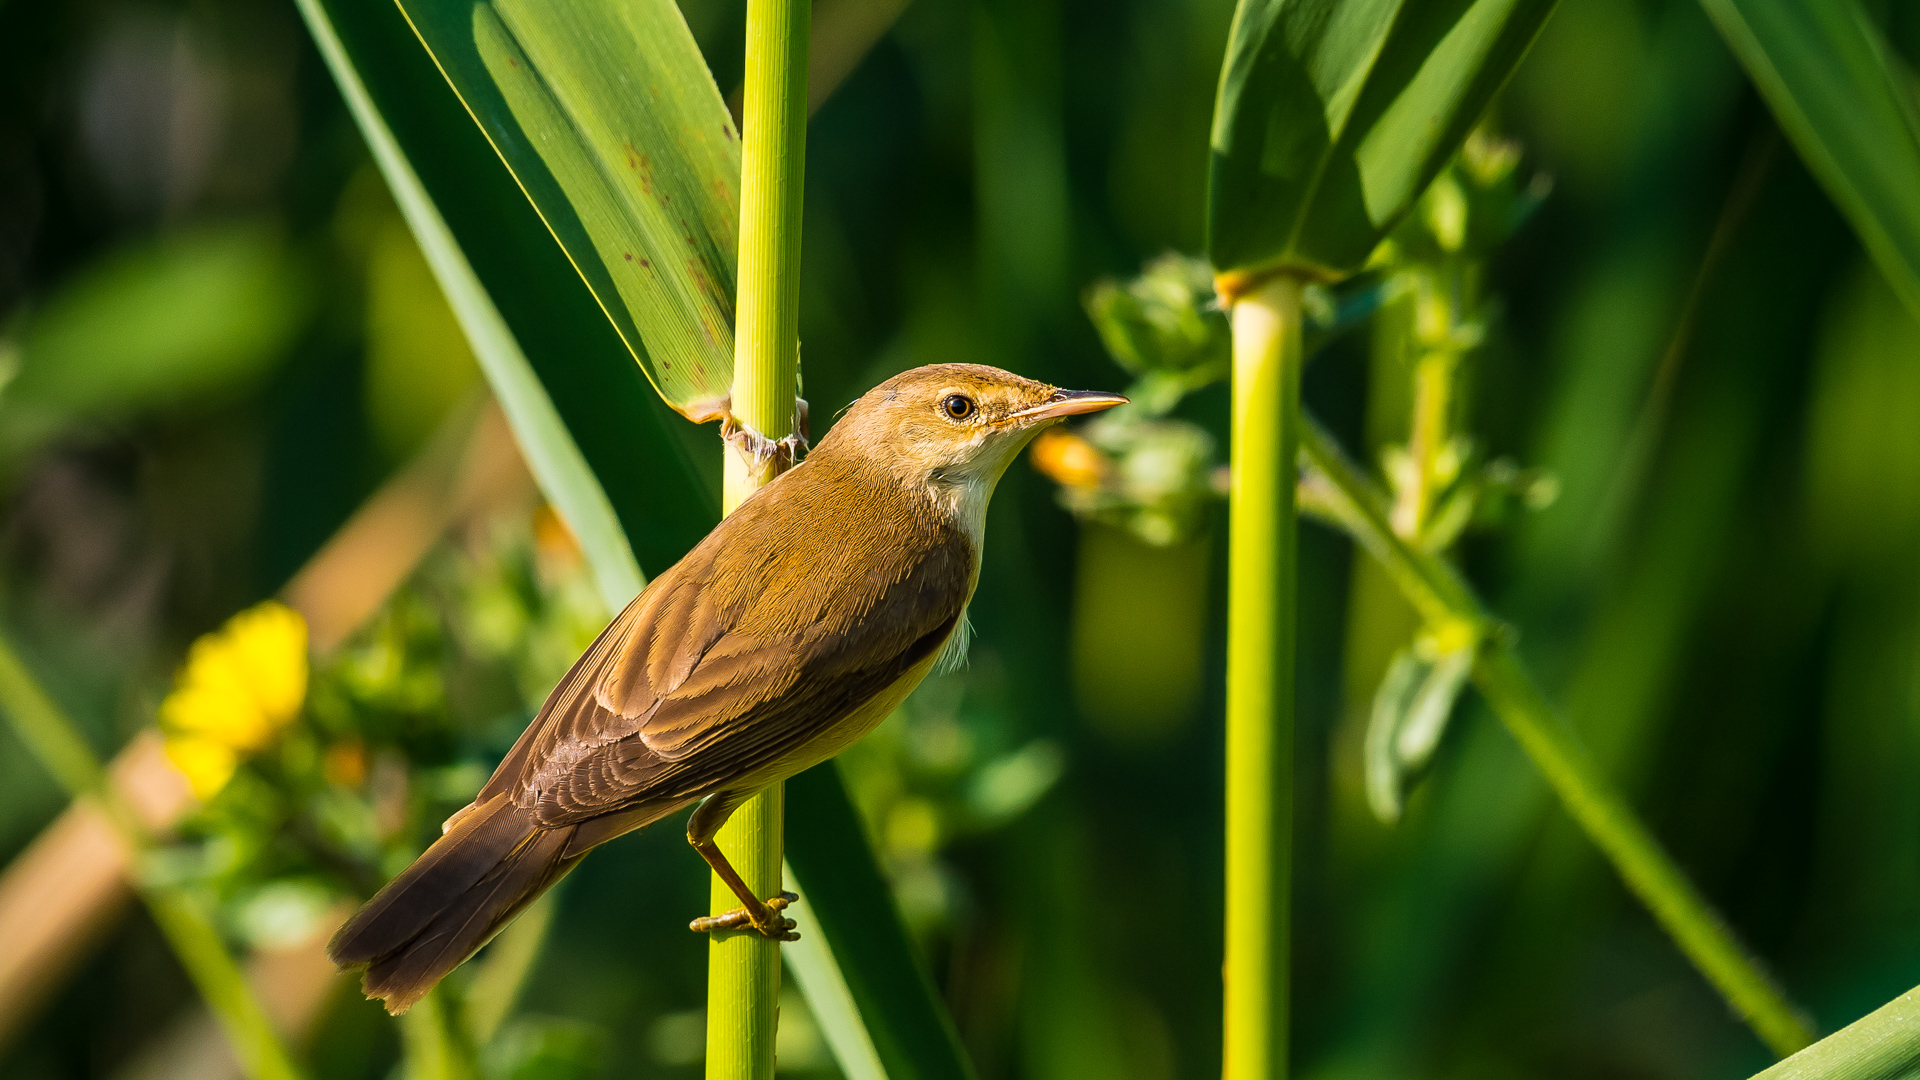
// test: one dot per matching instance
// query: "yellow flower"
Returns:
(207, 765)
(240, 685)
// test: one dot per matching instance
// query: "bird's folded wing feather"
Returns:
(724, 665)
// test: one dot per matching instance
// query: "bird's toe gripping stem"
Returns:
(767, 921)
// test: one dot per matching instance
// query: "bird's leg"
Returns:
(763, 917)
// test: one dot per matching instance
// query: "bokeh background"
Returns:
(218, 342)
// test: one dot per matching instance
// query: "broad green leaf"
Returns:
(610, 122)
(594, 433)
(1333, 115)
(550, 451)
(1850, 108)
(553, 354)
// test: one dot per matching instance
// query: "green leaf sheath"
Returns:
(1435, 589)
(609, 121)
(555, 344)
(184, 920)
(1850, 107)
(1882, 1045)
(1333, 115)
(1262, 570)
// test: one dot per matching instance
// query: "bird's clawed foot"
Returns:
(769, 923)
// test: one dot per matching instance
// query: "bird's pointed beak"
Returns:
(1069, 403)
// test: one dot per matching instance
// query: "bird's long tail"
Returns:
(494, 861)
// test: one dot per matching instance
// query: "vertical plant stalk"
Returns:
(188, 926)
(1426, 441)
(1442, 598)
(1261, 567)
(743, 970)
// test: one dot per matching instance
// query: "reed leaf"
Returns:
(1852, 111)
(550, 451)
(1333, 116)
(584, 416)
(609, 121)
(1882, 1045)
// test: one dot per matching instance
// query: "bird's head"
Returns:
(955, 424)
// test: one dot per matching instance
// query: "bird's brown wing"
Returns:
(735, 658)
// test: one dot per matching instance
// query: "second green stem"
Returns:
(1261, 569)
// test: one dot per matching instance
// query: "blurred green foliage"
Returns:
(182, 317)
(1723, 593)
(399, 730)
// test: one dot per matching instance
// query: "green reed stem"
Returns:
(182, 917)
(1261, 568)
(1437, 591)
(1882, 1045)
(743, 980)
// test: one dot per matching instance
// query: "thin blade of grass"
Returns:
(894, 1000)
(1850, 107)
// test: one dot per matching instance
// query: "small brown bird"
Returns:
(799, 623)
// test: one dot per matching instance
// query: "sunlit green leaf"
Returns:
(1333, 115)
(1850, 108)
(1882, 1045)
(592, 431)
(610, 122)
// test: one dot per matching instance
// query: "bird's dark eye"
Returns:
(958, 406)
